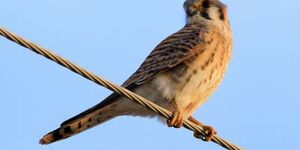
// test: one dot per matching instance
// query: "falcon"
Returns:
(179, 74)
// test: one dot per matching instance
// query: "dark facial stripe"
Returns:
(191, 13)
(205, 15)
(222, 16)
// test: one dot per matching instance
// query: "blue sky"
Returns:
(256, 107)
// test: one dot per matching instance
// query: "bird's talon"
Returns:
(176, 120)
(210, 133)
(179, 123)
(169, 123)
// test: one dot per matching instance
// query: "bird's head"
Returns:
(199, 10)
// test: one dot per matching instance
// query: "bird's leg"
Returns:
(177, 118)
(210, 132)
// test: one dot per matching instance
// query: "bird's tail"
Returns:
(87, 119)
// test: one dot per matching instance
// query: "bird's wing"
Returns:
(184, 44)
(169, 53)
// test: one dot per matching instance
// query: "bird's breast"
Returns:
(192, 82)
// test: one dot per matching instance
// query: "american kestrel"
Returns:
(179, 74)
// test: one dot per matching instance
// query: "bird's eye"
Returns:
(206, 4)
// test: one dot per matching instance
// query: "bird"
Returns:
(180, 74)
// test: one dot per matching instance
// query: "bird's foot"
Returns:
(176, 120)
(210, 133)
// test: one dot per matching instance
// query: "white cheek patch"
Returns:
(214, 13)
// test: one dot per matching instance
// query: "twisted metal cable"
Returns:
(120, 90)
